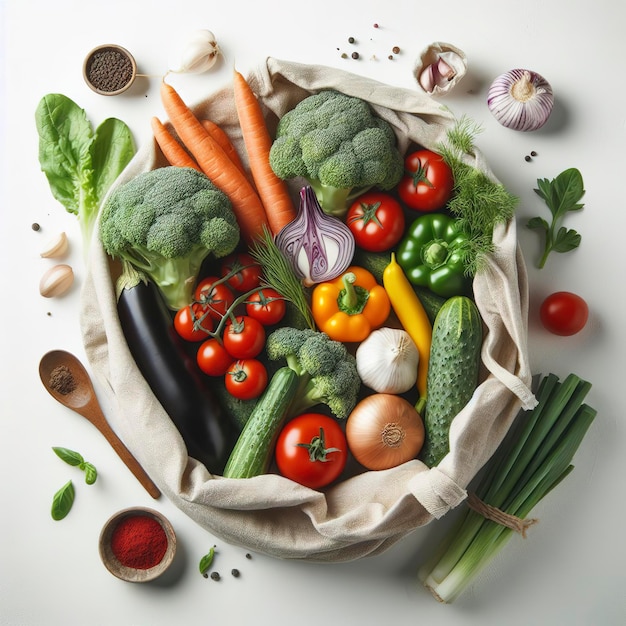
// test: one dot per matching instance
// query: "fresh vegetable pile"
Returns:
(269, 301)
(322, 338)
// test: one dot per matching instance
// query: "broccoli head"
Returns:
(165, 223)
(338, 144)
(327, 371)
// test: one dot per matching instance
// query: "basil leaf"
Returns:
(65, 136)
(91, 473)
(111, 151)
(206, 561)
(69, 456)
(62, 501)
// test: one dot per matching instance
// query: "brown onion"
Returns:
(383, 431)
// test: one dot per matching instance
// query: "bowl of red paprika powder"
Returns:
(137, 544)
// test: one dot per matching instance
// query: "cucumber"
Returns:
(253, 451)
(453, 371)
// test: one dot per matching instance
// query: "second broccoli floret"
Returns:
(338, 144)
(165, 223)
(327, 371)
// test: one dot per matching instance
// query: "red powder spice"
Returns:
(139, 541)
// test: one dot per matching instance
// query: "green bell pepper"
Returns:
(431, 254)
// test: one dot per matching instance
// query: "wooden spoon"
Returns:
(71, 385)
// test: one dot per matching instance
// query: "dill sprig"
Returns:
(278, 274)
(477, 203)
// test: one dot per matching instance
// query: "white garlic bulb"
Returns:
(387, 361)
(197, 53)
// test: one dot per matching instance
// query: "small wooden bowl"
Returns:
(132, 574)
(109, 49)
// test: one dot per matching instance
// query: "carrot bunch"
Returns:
(264, 202)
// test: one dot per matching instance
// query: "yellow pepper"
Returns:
(411, 314)
(350, 307)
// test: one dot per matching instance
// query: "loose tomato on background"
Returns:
(267, 306)
(248, 271)
(376, 221)
(213, 359)
(244, 337)
(193, 323)
(564, 313)
(311, 449)
(246, 379)
(427, 183)
(216, 298)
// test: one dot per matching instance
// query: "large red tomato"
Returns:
(428, 182)
(244, 337)
(246, 379)
(376, 220)
(311, 450)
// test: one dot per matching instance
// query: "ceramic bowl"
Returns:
(109, 69)
(132, 574)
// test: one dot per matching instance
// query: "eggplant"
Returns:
(174, 376)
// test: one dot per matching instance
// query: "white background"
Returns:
(570, 569)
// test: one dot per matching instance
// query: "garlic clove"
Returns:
(56, 247)
(197, 54)
(440, 67)
(56, 281)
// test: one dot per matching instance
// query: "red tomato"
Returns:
(193, 323)
(246, 379)
(216, 298)
(244, 338)
(376, 220)
(564, 313)
(213, 359)
(311, 450)
(428, 182)
(248, 271)
(267, 306)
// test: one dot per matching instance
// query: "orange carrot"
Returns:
(273, 191)
(222, 138)
(174, 153)
(216, 165)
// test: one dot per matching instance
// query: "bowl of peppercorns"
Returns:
(109, 69)
(137, 544)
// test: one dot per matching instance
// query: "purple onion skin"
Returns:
(521, 100)
(307, 233)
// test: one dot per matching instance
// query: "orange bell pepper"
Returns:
(350, 307)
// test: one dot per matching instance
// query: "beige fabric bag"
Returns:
(367, 513)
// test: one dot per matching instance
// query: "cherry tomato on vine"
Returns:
(213, 359)
(427, 183)
(248, 271)
(376, 220)
(246, 379)
(244, 337)
(216, 298)
(267, 306)
(564, 313)
(193, 323)
(311, 449)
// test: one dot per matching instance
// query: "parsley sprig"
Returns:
(562, 195)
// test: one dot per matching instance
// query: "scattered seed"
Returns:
(355, 55)
(527, 158)
(248, 556)
(390, 57)
(375, 25)
(533, 153)
(235, 572)
(396, 50)
(215, 576)
(344, 55)
(351, 39)
(36, 226)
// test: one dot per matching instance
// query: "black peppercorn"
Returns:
(215, 576)
(527, 158)
(235, 572)
(355, 55)
(351, 39)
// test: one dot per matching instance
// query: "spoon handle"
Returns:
(124, 453)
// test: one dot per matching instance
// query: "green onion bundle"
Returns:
(531, 461)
